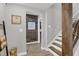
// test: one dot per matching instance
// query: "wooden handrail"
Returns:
(75, 32)
(4, 30)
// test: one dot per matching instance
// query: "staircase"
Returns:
(55, 46)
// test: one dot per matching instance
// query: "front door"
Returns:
(31, 28)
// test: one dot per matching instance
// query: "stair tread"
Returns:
(58, 48)
(59, 40)
(55, 50)
(59, 36)
(54, 54)
(57, 44)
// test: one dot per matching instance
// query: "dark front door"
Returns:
(31, 27)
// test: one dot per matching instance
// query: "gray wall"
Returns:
(15, 37)
(17, 33)
(53, 21)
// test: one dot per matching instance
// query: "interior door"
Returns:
(31, 28)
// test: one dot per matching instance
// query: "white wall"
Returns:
(15, 37)
(53, 21)
(44, 31)
(76, 49)
(75, 10)
(2, 6)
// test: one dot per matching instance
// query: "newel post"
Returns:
(67, 42)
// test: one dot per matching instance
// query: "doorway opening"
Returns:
(33, 34)
(31, 28)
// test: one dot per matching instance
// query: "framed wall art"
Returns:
(16, 19)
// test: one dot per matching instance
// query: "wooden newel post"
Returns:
(67, 41)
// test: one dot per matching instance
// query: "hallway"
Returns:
(49, 29)
(35, 50)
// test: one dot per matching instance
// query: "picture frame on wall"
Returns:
(16, 19)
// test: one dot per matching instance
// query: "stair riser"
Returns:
(57, 45)
(56, 51)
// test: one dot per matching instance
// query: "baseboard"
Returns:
(33, 42)
(22, 54)
(44, 48)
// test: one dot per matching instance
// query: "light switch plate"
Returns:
(20, 30)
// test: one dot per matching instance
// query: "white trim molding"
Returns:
(33, 42)
(44, 48)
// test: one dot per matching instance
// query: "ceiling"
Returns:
(40, 6)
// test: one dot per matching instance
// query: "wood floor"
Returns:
(35, 50)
